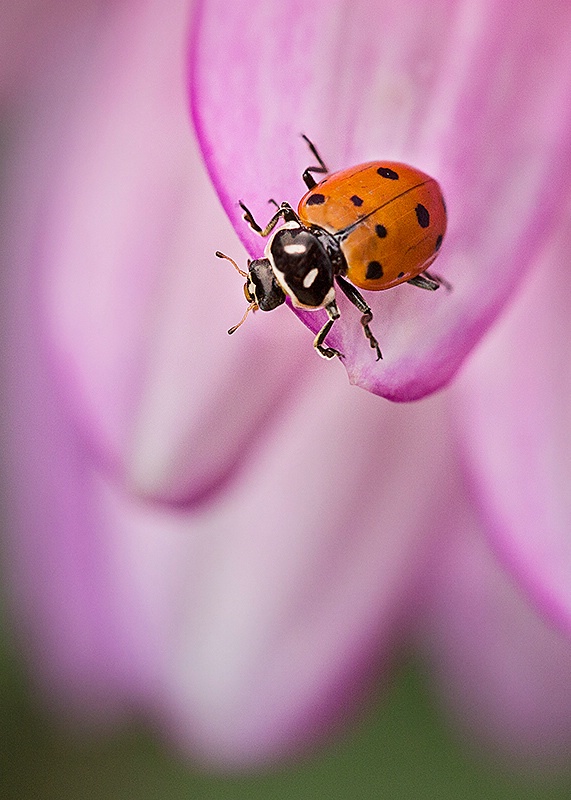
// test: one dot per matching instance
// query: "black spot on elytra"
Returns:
(385, 172)
(356, 200)
(422, 216)
(315, 199)
(381, 231)
(374, 271)
(401, 275)
(438, 243)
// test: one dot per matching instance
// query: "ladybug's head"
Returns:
(261, 289)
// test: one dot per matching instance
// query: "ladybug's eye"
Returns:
(248, 292)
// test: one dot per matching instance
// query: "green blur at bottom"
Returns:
(401, 748)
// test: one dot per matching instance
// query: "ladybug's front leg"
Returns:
(327, 352)
(358, 300)
(284, 211)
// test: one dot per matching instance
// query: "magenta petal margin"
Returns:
(462, 90)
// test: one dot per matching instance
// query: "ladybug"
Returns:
(370, 227)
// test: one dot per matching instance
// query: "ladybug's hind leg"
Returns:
(431, 282)
(359, 301)
(323, 350)
(308, 178)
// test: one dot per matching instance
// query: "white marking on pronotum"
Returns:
(294, 249)
(309, 278)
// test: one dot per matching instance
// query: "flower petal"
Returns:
(477, 94)
(27, 29)
(504, 671)
(136, 305)
(247, 625)
(513, 412)
(55, 573)
(289, 587)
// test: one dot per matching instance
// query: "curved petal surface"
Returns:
(125, 225)
(246, 625)
(515, 396)
(290, 587)
(250, 618)
(477, 94)
(504, 671)
(27, 29)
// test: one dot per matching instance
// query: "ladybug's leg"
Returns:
(359, 301)
(430, 282)
(439, 279)
(285, 211)
(308, 178)
(327, 352)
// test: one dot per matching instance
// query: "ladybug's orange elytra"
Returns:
(389, 219)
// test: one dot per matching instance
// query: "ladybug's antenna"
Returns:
(241, 271)
(251, 307)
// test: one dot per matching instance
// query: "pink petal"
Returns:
(477, 94)
(245, 627)
(252, 617)
(282, 595)
(504, 672)
(27, 30)
(55, 570)
(513, 411)
(136, 305)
